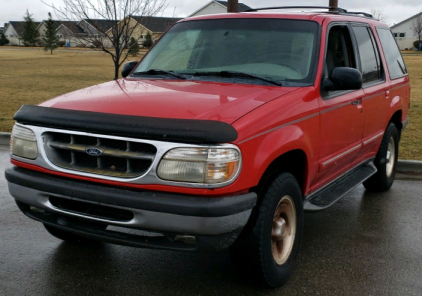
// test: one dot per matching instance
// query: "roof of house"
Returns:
(398, 24)
(70, 25)
(19, 26)
(156, 24)
(241, 7)
(103, 25)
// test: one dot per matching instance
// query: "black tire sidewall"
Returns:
(276, 274)
(381, 161)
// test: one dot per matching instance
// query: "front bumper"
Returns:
(214, 222)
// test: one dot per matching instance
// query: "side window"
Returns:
(395, 63)
(369, 56)
(339, 49)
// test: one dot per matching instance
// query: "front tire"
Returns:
(266, 250)
(385, 161)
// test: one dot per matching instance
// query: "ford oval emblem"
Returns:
(93, 151)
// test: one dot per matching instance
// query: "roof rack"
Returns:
(330, 8)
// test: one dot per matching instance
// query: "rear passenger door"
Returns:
(374, 103)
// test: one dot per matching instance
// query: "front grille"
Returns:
(122, 159)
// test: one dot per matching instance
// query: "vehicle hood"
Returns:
(224, 102)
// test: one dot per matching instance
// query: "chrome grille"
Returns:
(119, 158)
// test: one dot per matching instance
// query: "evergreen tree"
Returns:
(133, 47)
(148, 41)
(30, 34)
(3, 40)
(50, 39)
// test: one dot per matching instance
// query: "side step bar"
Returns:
(327, 196)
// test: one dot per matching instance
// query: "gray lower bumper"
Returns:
(79, 207)
(146, 220)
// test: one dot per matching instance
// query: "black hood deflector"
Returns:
(152, 128)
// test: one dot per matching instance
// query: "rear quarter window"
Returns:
(395, 63)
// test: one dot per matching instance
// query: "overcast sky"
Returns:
(395, 11)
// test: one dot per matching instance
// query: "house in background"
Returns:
(67, 31)
(403, 32)
(142, 25)
(156, 26)
(70, 32)
(13, 32)
(215, 7)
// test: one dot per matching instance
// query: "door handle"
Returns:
(357, 102)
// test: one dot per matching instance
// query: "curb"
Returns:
(409, 166)
(4, 138)
(403, 166)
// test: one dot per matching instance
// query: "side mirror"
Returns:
(128, 67)
(343, 78)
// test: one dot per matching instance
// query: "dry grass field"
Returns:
(33, 76)
(411, 143)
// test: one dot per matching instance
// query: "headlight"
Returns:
(23, 143)
(199, 165)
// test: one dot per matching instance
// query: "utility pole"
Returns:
(233, 6)
(333, 3)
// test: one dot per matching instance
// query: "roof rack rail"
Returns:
(331, 8)
(362, 13)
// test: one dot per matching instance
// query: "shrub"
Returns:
(148, 41)
(416, 44)
(133, 47)
(3, 40)
(61, 43)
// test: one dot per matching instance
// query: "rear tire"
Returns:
(385, 161)
(266, 250)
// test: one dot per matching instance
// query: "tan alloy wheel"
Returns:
(391, 157)
(284, 230)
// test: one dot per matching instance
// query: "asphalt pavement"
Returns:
(366, 244)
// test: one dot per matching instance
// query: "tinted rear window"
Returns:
(395, 63)
(371, 70)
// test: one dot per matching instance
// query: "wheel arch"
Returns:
(294, 162)
(397, 120)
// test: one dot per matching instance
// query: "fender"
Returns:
(288, 123)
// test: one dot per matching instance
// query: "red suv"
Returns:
(229, 128)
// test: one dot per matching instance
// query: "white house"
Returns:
(403, 32)
(13, 32)
(215, 7)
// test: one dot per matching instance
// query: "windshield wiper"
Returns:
(158, 72)
(237, 74)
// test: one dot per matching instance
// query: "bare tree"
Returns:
(417, 26)
(379, 15)
(107, 24)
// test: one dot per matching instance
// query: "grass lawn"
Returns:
(33, 76)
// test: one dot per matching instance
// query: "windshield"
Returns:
(278, 49)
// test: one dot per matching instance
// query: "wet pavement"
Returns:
(366, 244)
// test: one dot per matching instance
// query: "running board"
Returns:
(327, 196)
